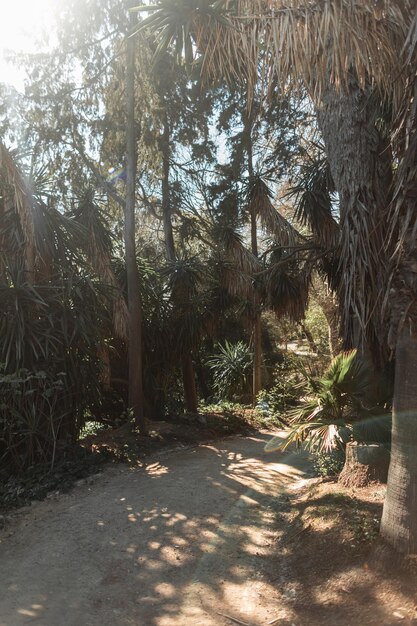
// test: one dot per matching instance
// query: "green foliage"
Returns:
(288, 386)
(33, 412)
(92, 428)
(231, 368)
(316, 323)
(364, 526)
(230, 417)
(39, 480)
(329, 463)
(347, 403)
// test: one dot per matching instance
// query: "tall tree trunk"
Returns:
(187, 368)
(166, 201)
(329, 305)
(133, 279)
(256, 327)
(399, 518)
(360, 162)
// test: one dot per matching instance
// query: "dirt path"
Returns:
(183, 541)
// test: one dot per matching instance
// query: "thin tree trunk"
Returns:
(256, 328)
(133, 279)
(309, 337)
(188, 377)
(399, 518)
(166, 202)
(188, 374)
(329, 306)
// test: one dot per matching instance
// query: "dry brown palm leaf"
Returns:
(100, 260)
(287, 293)
(410, 46)
(401, 291)
(259, 204)
(315, 41)
(17, 198)
(240, 265)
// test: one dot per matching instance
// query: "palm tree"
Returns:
(345, 54)
(398, 524)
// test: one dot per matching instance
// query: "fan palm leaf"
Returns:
(346, 404)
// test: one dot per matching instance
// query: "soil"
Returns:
(213, 535)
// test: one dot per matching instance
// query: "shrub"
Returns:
(329, 463)
(347, 403)
(289, 385)
(231, 368)
(33, 414)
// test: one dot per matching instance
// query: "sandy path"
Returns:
(183, 541)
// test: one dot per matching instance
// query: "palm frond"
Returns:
(90, 214)
(345, 404)
(313, 197)
(314, 42)
(15, 196)
(240, 265)
(260, 205)
(287, 293)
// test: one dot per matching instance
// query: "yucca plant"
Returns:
(347, 403)
(231, 368)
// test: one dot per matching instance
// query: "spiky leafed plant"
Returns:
(231, 367)
(347, 404)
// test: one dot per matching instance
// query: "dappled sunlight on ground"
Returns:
(203, 537)
(185, 538)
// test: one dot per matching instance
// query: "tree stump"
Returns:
(365, 464)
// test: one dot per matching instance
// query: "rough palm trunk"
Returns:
(133, 279)
(360, 163)
(399, 519)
